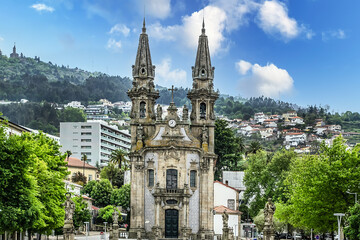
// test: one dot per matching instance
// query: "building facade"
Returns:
(95, 139)
(76, 165)
(172, 157)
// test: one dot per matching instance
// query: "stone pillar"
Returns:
(225, 233)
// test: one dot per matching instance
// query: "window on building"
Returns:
(151, 177)
(86, 140)
(85, 147)
(192, 178)
(86, 133)
(231, 204)
(202, 110)
(85, 127)
(142, 109)
(75, 132)
(75, 126)
(171, 179)
(90, 177)
(86, 153)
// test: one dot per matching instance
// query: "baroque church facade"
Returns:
(172, 157)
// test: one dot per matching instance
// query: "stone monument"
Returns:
(225, 218)
(269, 210)
(115, 225)
(68, 229)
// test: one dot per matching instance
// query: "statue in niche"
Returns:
(205, 135)
(139, 133)
(159, 112)
(142, 110)
(185, 115)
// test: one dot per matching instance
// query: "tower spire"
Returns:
(203, 68)
(143, 67)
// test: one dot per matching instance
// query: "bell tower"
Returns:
(202, 94)
(143, 94)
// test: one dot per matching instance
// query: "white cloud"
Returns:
(120, 28)
(167, 76)
(1, 38)
(156, 8)
(188, 32)
(273, 19)
(113, 44)
(42, 7)
(268, 81)
(339, 34)
(243, 66)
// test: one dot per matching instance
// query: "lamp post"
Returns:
(87, 229)
(105, 227)
(339, 215)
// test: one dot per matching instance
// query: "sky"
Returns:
(305, 52)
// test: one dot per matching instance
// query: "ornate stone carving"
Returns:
(225, 218)
(185, 115)
(269, 211)
(69, 207)
(159, 112)
(115, 216)
(204, 135)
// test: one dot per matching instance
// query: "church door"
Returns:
(171, 223)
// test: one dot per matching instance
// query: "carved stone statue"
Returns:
(159, 112)
(225, 218)
(185, 115)
(69, 207)
(269, 211)
(139, 133)
(205, 135)
(115, 216)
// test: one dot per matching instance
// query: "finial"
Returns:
(144, 28)
(203, 26)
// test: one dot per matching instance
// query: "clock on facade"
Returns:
(172, 123)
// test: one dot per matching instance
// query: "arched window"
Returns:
(202, 110)
(151, 177)
(142, 109)
(192, 178)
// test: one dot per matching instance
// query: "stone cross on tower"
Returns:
(172, 89)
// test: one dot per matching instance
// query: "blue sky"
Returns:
(306, 52)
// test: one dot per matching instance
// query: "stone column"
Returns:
(68, 229)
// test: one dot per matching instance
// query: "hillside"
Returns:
(12, 69)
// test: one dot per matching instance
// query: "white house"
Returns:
(297, 120)
(260, 117)
(226, 198)
(293, 139)
(75, 104)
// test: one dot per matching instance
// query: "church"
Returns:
(172, 157)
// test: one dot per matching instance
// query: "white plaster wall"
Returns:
(218, 223)
(222, 194)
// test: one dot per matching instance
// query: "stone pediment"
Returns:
(172, 133)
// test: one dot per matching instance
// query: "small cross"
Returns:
(172, 89)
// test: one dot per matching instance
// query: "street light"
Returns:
(105, 227)
(87, 229)
(339, 215)
(355, 196)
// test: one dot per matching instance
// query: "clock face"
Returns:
(172, 123)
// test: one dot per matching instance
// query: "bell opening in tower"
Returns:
(142, 109)
(202, 111)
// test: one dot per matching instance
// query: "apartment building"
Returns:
(95, 139)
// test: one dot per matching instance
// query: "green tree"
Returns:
(118, 157)
(79, 178)
(265, 176)
(254, 147)
(17, 162)
(70, 114)
(121, 196)
(259, 221)
(35, 164)
(318, 186)
(89, 188)
(352, 229)
(105, 213)
(102, 193)
(114, 174)
(228, 147)
(82, 213)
